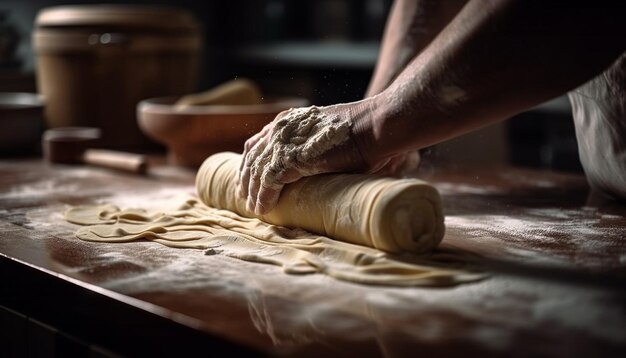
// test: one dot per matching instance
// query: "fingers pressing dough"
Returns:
(394, 215)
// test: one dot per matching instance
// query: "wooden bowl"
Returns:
(193, 133)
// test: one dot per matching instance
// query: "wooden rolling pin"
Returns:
(72, 145)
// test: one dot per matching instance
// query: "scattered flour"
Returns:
(546, 235)
(295, 311)
(447, 188)
(165, 197)
(62, 183)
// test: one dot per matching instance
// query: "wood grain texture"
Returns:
(557, 288)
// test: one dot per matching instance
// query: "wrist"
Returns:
(366, 120)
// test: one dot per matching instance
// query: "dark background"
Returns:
(324, 50)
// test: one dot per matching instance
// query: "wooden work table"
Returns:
(557, 286)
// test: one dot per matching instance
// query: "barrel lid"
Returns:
(124, 16)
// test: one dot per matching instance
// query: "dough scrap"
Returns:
(195, 225)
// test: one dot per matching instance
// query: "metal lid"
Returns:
(160, 18)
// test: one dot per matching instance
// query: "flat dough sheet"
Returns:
(195, 225)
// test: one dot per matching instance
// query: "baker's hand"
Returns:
(308, 141)
(297, 143)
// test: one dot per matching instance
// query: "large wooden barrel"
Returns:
(96, 62)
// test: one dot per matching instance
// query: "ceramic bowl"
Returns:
(193, 133)
(21, 122)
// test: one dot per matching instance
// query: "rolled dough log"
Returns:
(394, 215)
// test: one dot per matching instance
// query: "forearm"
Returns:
(411, 26)
(495, 59)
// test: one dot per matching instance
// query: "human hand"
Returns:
(297, 143)
(312, 140)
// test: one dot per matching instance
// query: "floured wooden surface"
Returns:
(516, 217)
